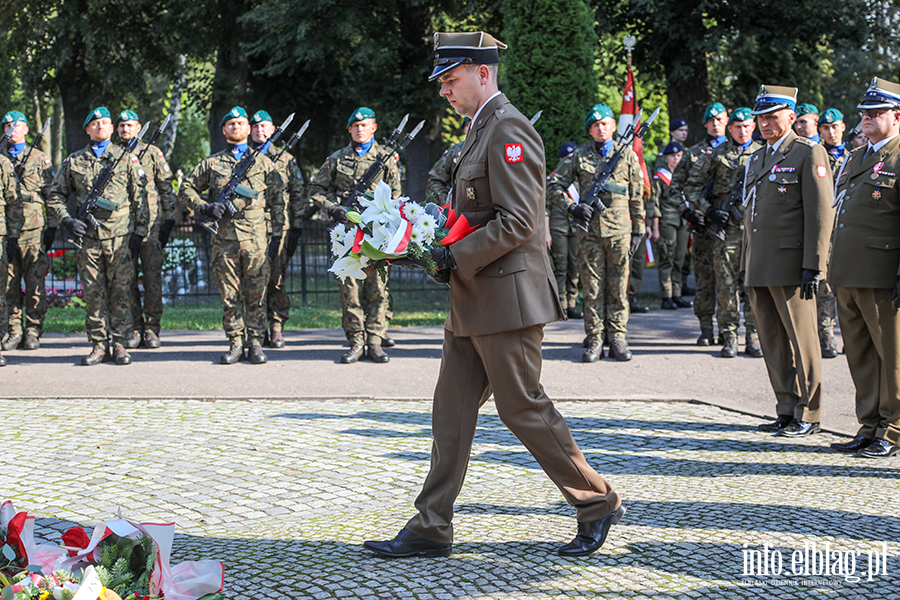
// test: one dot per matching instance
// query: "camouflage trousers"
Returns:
(730, 290)
(671, 248)
(604, 267)
(148, 316)
(4, 275)
(705, 276)
(826, 307)
(241, 272)
(278, 303)
(29, 268)
(106, 273)
(364, 306)
(564, 258)
(636, 277)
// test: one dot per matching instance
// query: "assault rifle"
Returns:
(393, 146)
(292, 142)
(697, 220)
(234, 188)
(734, 198)
(154, 137)
(95, 198)
(602, 184)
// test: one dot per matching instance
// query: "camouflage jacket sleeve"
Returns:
(702, 172)
(559, 181)
(195, 184)
(9, 201)
(274, 197)
(392, 176)
(680, 175)
(636, 194)
(299, 206)
(439, 177)
(163, 179)
(656, 190)
(59, 192)
(321, 190)
(47, 182)
(137, 195)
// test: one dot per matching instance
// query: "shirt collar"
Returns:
(777, 144)
(881, 144)
(478, 112)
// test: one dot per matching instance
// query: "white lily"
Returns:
(350, 266)
(342, 240)
(382, 208)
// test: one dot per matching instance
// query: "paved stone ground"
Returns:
(285, 491)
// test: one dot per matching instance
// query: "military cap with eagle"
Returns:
(774, 97)
(881, 94)
(472, 48)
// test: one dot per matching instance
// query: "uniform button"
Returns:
(843, 210)
(755, 214)
(852, 184)
(887, 245)
(841, 225)
(755, 230)
(500, 271)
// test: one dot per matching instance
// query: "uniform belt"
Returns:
(32, 198)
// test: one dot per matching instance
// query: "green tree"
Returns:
(549, 66)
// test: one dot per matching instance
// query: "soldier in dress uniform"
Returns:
(611, 236)
(440, 177)
(807, 122)
(11, 219)
(105, 261)
(564, 247)
(156, 177)
(673, 233)
(864, 269)
(242, 248)
(715, 120)
(831, 132)
(365, 304)
(296, 210)
(28, 263)
(788, 199)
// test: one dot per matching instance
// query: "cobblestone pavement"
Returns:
(285, 492)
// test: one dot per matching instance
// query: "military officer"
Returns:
(28, 263)
(864, 269)
(831, 130)
(725, 168)
(501, 294)
(807, 121)
(673, 233)
(715, 120)
(365, 304)
(242, 249)
(157, 179)
(788, 202)
(564, 247)
(105, 260)
(296, 210)
(612, 236)
(440, 177)
(11, 219)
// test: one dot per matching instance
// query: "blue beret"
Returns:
(260, 116)
(713, 110)
(126, 115)
(672, 148)
(97, 113)
(597, 113)
(235, 113)
(360, 114)
(740, 114)
(677, 124)
(832, 115)
(13, 116)
(806, 109)
(566, 149)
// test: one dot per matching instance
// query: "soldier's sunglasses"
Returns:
(873, 113)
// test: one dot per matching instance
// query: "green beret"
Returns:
(235, 113)
(360, 114)
(598, 113)
(806, 109)
(740, 114)
(260, 116)
(126, 115)
(713, 110)
(13, 116)
(97, 113)
(832, 115)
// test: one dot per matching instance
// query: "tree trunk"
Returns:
(229, 86)
(688, 97)
(56, 133)
(77, 92)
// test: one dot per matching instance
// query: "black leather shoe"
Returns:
(729, 348)
(706, 337)
(829, 347)
(618, 349)
(32, 342)
(855, 445)
(376, 354)
(800, 429)
(408, 544)
(11, 342)
(688, 291)
(682, 303)
(98, 353)
(752, 347)
(234, 354)
(777, 425)
(256, 354)
(352, 355)
(388, 342)
(591, 535)
(637, 309)
(571, 313)
(593, 353)
(669, 304)
(880, 448)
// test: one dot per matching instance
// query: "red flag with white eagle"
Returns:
(626, 116)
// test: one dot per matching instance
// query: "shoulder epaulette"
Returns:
(806, 141)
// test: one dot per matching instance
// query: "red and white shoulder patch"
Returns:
(134, 159)
(46, 162)
(821, 171)
(514, 153)
(160, 154)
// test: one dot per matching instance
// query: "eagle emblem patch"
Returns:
(514, 153)
(821, 171)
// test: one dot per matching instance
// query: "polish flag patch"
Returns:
(514, 153)
(821, 171)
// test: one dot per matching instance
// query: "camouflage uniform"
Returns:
(296, 210)
(563, 252)
(826, 303)
(32, 262)
(673, 234)
(639, 260)
(724, 167)
(11, 219)
(701, 247)
(440, 177)
(603, 260)
(156, 177)
(365, 305)
(104, 261)
(240, 265)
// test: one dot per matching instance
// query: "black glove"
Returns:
(441, 277)
(213, 210)
(165, 231)
(48, 237)
(636, 239)
(292, 241)
(809, 284)
(272, 252)
(12, 248)
(78, 228)
(895, 295)
(134, 244)
(717, 216)
(693, 217)
(338, 214)
(581, 212)
(443, 258)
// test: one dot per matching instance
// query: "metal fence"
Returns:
(187, 277)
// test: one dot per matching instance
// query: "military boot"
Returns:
(121, 355)
(95, 357)
(2, 361)
(706, 337)
(729, 348)
(12, 341)
(151, 340)
(256, 354)
(234, 354)
(594, 352)
(276, 337)
(829, 347)
(752, 347)
(669, 304)
(388, 342)
(376, 354)
(356, 352)
(682, 303)
(618, 349)
(134, 341)
(32, 342)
